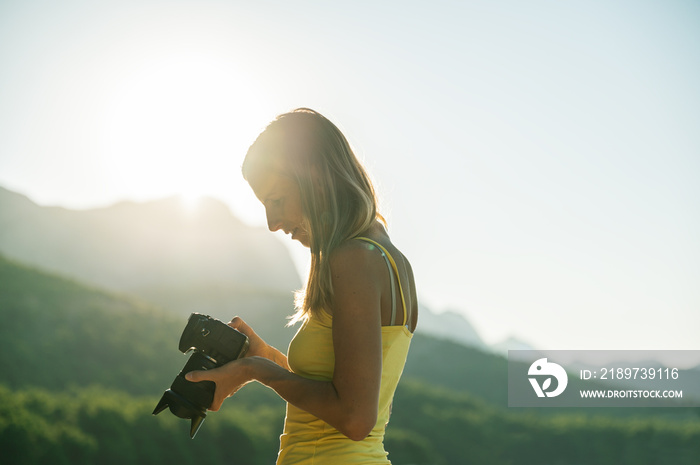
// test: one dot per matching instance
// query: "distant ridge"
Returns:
(203, 260)
(83, 368)
(148, 248)
(450, 326)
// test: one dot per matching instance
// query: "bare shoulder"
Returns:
(360, 279)
(355, 257)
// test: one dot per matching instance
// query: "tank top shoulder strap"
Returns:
(393, 271)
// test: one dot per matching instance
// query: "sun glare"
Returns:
(179, 125)
(190, 203)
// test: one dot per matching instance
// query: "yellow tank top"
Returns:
(307, 440)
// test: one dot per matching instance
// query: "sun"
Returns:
(190, 201)
(179, 125)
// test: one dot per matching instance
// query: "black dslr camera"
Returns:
(214, 343)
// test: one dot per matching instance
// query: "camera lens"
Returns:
(200, 394)
(187, 399)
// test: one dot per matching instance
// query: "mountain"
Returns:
(158, 250)
(57, 333)
(203, 260)
(83, 368)
(454, 327)
(513, 343)
(450, 326)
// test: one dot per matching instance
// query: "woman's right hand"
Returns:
(257, 347)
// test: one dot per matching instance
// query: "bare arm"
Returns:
(349, 402)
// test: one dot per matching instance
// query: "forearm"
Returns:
(322, 399)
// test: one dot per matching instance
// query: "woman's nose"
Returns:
(274, 222)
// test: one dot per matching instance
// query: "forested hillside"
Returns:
(82, 370)
(58, 333)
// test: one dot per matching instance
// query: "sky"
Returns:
(538, 162)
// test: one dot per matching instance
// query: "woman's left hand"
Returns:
(229, 378)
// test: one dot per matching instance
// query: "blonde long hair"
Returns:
(337, 197)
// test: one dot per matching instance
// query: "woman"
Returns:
(358, 309)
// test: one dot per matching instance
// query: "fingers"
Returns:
(229, 378)
(236, 322)
(257, 345)
(219, 398)
(216, 403)
(197, 376)
(240, 325)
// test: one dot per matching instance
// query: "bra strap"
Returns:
(393, 269)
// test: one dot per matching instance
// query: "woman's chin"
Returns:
(303, 240)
